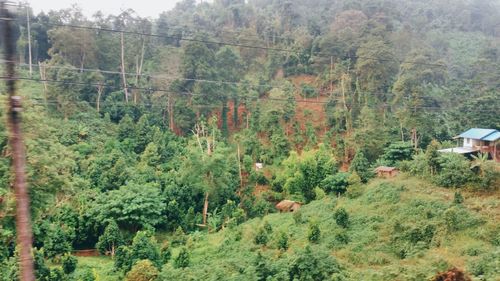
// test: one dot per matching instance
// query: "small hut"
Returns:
(288, 206)
(386, 172)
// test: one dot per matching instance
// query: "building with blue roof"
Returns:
(477, 140)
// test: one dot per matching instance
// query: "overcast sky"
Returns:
(144, 8)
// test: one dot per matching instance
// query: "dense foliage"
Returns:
(144, 146)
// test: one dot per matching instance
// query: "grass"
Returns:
(385, 240)
(100, 267)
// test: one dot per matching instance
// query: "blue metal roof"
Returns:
(492, 137)
(479, 134)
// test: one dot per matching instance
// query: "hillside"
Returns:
(145, 137)
(399, 229)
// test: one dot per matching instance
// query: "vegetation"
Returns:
(154, 165)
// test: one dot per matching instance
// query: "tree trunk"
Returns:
(99, 93)
(124, 78)
(239, 166)
(140, 63)
(29, 41)
(205, 209)
(43, 76)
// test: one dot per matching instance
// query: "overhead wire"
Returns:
(265, 99)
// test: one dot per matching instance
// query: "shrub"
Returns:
(315, 266)
(336, 183)
(56, 274)
(454, 170)
(268, 227)
(283, 243)
(183, 259)
(143, 247)
(314, 232)
(261, 237)
(297, 217)
(319, 193)
(69, 263)
(165, 253)
(143, 270)
(122, 258)
(341, 217)
(458, 198)
(85, 275)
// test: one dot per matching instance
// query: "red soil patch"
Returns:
(86, 253)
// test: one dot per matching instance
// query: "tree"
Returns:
(360, 166)
(110, 239)
(432, 157)
(57, 242)
(396, 152)
(132, 206)
(142, 270)
(145, 247)
(336, 183)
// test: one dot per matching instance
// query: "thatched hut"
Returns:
(288, 206)
(386, 172)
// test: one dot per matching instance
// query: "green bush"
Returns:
(283, 243)
(314, 233)
(297, 217)
(69, 263)
(261, 237)
(183, 259)
(341, 218)
(143, 270)
(454, 170)
(337, 183)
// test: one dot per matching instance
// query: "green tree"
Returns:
(145, 247)
(110, 239)
(142, 270)
(69, 263)
(341, 218)
(360, 166)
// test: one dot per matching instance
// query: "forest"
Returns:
(162, 145)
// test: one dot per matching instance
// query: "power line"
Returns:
(173, 78)
(233, 44)
(435, 108)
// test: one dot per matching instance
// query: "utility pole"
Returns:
(29, 38)
(23, 221)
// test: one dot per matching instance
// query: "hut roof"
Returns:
(286, 204)
(385, 169)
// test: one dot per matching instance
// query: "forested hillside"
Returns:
(142, 137)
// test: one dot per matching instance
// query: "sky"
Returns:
(144, 8)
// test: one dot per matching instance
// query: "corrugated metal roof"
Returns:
(477, 134)
(492, 137)
(459, 150)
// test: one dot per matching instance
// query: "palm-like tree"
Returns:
(479, 162)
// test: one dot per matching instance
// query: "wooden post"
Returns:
(23, 220)
(124, 78)
(29, 39)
